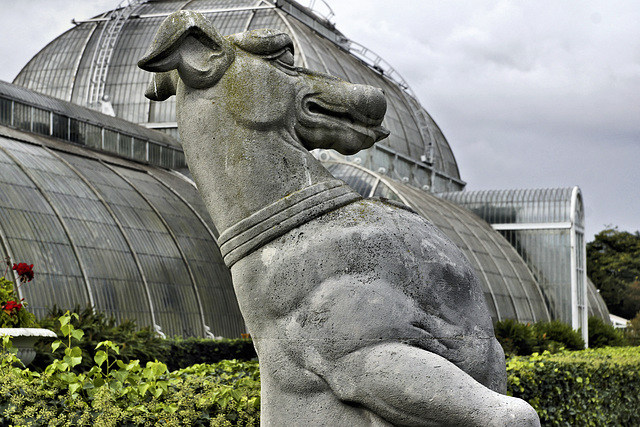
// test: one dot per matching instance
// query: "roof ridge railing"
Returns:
(366, 55)
(164, 14)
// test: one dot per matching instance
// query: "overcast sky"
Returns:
(530, 94)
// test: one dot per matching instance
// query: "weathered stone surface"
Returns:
(361, 311)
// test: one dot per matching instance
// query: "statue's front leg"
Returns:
(409, 386)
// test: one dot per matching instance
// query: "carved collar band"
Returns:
(282, 216)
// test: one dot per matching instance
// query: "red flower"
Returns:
(25, 271)
(10, 306)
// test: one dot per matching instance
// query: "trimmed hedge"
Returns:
(593, 387)
(184, 353)
(225, 394)
(585, 388)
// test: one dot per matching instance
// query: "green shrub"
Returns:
(516, 338)
(115, 393)
(186, 352)
(555, 334)
(519, 339)
(604, 335)
(593, 387)
(135, 343)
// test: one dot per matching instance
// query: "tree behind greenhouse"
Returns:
(613, 265)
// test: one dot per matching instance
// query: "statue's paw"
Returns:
(520, 414)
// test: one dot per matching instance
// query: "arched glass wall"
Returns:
(132, 241)
(84, 65)
(510, 289)
(546, 226)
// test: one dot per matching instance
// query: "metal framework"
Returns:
(104, 51)
(547, 228)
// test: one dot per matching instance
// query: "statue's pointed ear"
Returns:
(187, 42)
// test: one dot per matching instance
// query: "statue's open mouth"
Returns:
(349, 126)
(316, 106)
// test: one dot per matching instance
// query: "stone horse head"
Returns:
(319, 110)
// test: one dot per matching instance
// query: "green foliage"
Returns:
(593, 387)
(134, 343)
(604, 335)
(138, 344)
(186, 352)
(16, 318)
(632, 333)
(587, 388)
(118, 393)
(613, 265)
(524, 339)
(516, 338)
(557, 334)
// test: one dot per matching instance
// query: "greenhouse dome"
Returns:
(94, 65)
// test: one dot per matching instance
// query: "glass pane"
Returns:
(140, 150)
(22, 116)
(125, 145)
(60, 126)
(154, 153)
(75, 134)
(110, 141)
(5, 111)
(41, 121)
(91, 135)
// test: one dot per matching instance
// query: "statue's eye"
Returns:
(286, 57)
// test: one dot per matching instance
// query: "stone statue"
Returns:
(362, 312)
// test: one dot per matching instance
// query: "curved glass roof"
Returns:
(510, 289)
(529, 206)
(98, 58)
(134, 241)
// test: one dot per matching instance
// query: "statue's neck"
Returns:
(240, 171)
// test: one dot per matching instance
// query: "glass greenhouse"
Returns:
(95, 192)
(132, 240)
(547, 228)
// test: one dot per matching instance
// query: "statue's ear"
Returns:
(187, 42)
